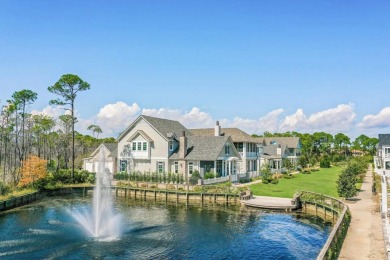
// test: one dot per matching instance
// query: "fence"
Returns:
(340, 213)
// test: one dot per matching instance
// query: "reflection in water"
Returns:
(156, 230)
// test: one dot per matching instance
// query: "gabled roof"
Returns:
(143, 134)
(205, 148)
(236, 134)
(164, 127)
(111, 147)
(290, 142)
(270, 152)
(384, 139)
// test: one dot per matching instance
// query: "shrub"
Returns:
(325, 163)
(209, 175)
(195, 176)
(289, 176)
(265, 181)
(274, 181)
(4, 189)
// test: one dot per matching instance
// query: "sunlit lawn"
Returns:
(322, 181)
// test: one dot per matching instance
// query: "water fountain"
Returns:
(101, 221)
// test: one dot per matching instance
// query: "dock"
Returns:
(272, 203)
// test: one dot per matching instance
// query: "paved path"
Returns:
(365, 234)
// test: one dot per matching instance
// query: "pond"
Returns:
(46, 230)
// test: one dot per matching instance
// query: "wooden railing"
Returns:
(339, 211)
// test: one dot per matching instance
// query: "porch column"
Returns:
(215, 169)
(230, 167)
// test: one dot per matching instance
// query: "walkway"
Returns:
(365, 235)
(269, 203)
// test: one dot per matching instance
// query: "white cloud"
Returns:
(380, 120)
(192, 119)
(114, 118)
(269, 122)
(340, 118)
(53, 111)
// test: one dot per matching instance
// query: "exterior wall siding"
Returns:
(158, 148)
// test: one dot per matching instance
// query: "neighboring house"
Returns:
(159, 145)
(274, 149)
(91, 163)
(245, 144)
(383, 154)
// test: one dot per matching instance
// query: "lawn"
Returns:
(322, 181)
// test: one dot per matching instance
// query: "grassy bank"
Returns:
(17, 193)
(322, 181)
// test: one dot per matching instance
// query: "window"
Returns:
(170, 145)
(144, 146)
(387, 165)
(190, 167)
(176, 169)
(227, 149)
(387, 151)
(239, 147)
(123, 165)
(219, 167)
(160, 167)
(134, 146)
(139, 146)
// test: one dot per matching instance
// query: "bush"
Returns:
(121, 176)
(289, 176)
(274, 181)
(65, 176)
(4, 189)
(325, 163)
(195, 176)
(265, 181)
(209, 175)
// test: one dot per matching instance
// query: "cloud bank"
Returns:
(114, 118)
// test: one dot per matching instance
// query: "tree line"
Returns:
(52, 139)
(321, 146)
(56, 141)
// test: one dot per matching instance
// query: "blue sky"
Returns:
(258, 65)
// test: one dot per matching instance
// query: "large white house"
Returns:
(151, 144)
(274, 149)
(382, 161)
(245, 144)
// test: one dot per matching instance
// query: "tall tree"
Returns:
(22, 99)
(95, 129)
(342, 141)
(67, 87)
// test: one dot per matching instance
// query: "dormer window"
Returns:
(227, 149)
(140, 146)
(171, 145)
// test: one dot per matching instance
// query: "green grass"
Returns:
(322, 181)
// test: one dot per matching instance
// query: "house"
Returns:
(272, 151)
(245, 144)
(91, 163)
(382, 161)
(151, 144)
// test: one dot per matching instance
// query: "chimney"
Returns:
(183, 145)
(217, 129)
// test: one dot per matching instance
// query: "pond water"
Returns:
(46, 230)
